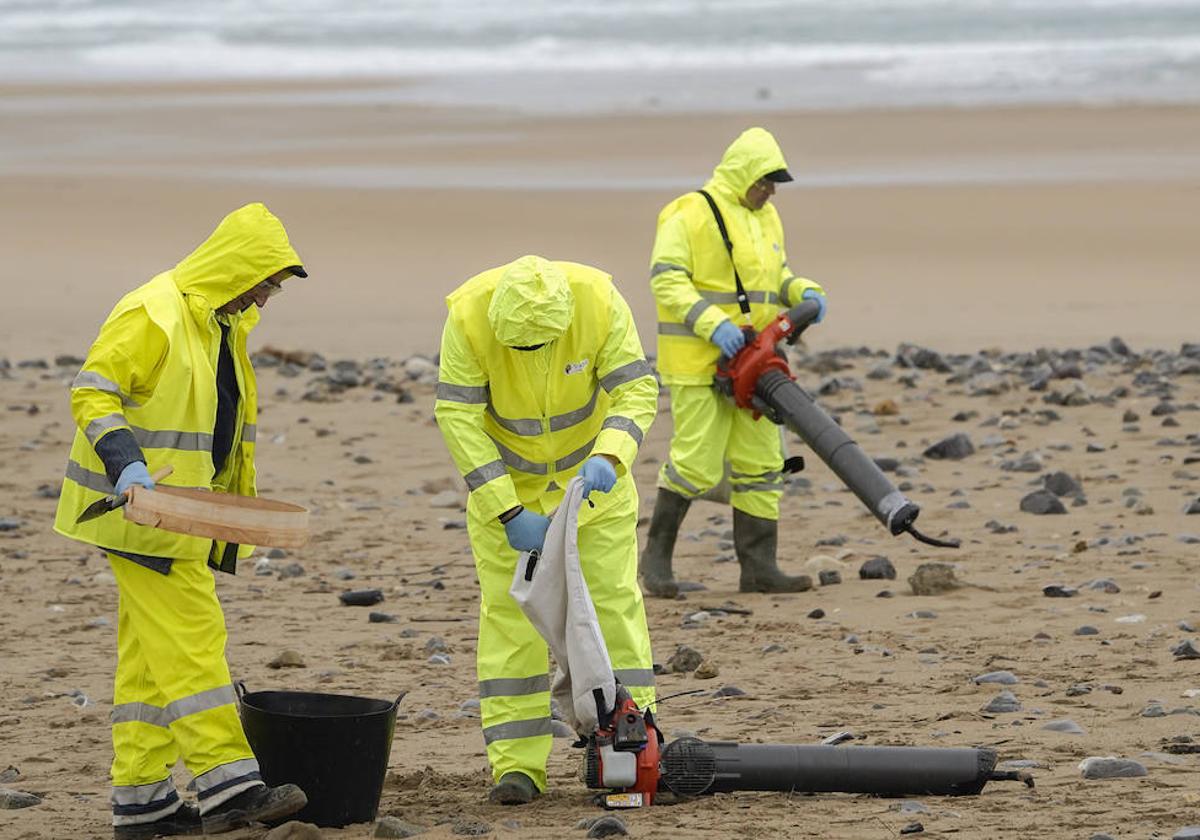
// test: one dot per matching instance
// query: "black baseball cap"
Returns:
(779, 176)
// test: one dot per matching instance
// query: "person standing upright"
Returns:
(719, 264)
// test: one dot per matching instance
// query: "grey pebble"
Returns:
(1185, 650)
(685, 660)
(1042, 503)
(439, 659)
(396, 827)
(1003, 703)
(829, 577)
(608, 826)
(381, 618)
(1188, 832)
(1061, 484)
(471, 828)
(998, 677)
(1087, 630)
(817, 613)
(291, 570)
(361, 597)
(729, 691)
(11, 800)
(8, 523)
(1110, 767)
(1056, 590)
(877, 568)
(953, 448)
(1065, 726)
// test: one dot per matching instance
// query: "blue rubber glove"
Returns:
(729, 338)
(813, 294)
(134, 473)
(597, 474)
(527, 530)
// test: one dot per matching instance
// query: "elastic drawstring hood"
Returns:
(248, 246)
(751, 156)
(532, 303)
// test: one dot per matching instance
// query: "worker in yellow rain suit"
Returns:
(719, 264)
(543, 377)
(169, 382)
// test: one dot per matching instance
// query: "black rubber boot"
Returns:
(669, 511)
(258, 804)
(513, 789)
(755, 541)
(185, 822)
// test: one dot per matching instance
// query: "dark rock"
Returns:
(291, 570)
(1110, 767)
(1185, 650)
(8, 523)
(933, 579)
(1056, 590)
(829, 577)
(11, 800)
(608, 826)
(361, 597)
(954, 448)
(1003, 703)
(276, 554)
(1087, 630)
(877, 568)
(913, 828)
(685, 660)
(1061, 484)
(817, 613)
(999, 527)
(381, 618)
(729, 691)
(1119, 347)
(887, 464)
(1193, 508)
(839, 539)
(396, 827)
(1042, 503)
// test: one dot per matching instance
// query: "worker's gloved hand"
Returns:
(597, 473)
(729, 338)
(527, 530)
(813, 294)
(134, 473)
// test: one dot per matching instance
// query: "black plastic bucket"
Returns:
(334, 746)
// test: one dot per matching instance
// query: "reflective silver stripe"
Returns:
(571, 418)
(514, 729)
(675, 478)
(662, 268)
(568, 461)
(201, 701)
(473, 394)
(675, 329)
(103, 424)
(480, 476)
(625, 425)
(526, 427)
(637, 677)
(769, 487)
(514, 686)
(731, 297)
(249, 433)
(91, 480)
(140, 712)
(88, 379)
(226, 773)
(767, 476)
(625, 373)
(693, 314)
(166, 439)
(143, 794)
(787, 284)
(515, 461)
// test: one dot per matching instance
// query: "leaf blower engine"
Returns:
(626, 756)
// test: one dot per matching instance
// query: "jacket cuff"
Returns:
(118, 449)
(495, 497)
(711, 318)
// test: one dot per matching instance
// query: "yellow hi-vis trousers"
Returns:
(173, 696)
(708, 432)
(512, 660)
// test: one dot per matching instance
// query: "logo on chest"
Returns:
(576, 367)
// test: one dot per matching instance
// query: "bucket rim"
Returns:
(247, 698)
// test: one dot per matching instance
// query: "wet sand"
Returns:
(1062, 262)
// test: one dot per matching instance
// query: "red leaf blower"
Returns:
(758, 379)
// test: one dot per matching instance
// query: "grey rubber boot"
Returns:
(669, 511)
(513, 789)
(259, 804)
(755, 541)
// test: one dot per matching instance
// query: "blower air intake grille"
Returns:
(688, 767)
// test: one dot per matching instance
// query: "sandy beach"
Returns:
(1001, 230)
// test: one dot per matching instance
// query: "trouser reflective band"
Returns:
(132, 804)
(221, 784)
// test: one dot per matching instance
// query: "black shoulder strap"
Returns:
(742, 298)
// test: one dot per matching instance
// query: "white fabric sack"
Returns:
(554, 596)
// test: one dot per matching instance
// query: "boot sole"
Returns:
(242, 818)
(135, 832)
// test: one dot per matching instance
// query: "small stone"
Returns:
(772, 648)
(1111, 768)
(998, 677)
(287, 659)
(729, 691)
(396, 827)
(12, 800)
(361, 597)
(909, 806)
(471, 827)
(381, 618)
(913, 828)
(1185, 650)
(294, 830)
(685, 660)
(933, 579)
(1193, 508)
(277, 554)
(608, 826)
(1154, 710)
(922, 614)
(1065, 726)
(877, 568)
(291, 570)
(1003, 703)
(1042, 503)
(9, 774)
(817, 613)
(1055, 590)
(954, 448)
(8, 523)
(1188, 832)
(1087, 630)
(1061, 484)
(436, 644)
(707, 670)
(439, 659)
(829, 577)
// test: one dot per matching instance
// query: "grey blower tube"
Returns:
(693, 767)
(800, 413)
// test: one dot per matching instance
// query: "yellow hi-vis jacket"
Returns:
(519, 423)
(691, 274)
(152, 370)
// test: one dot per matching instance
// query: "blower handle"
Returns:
(802, 316)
